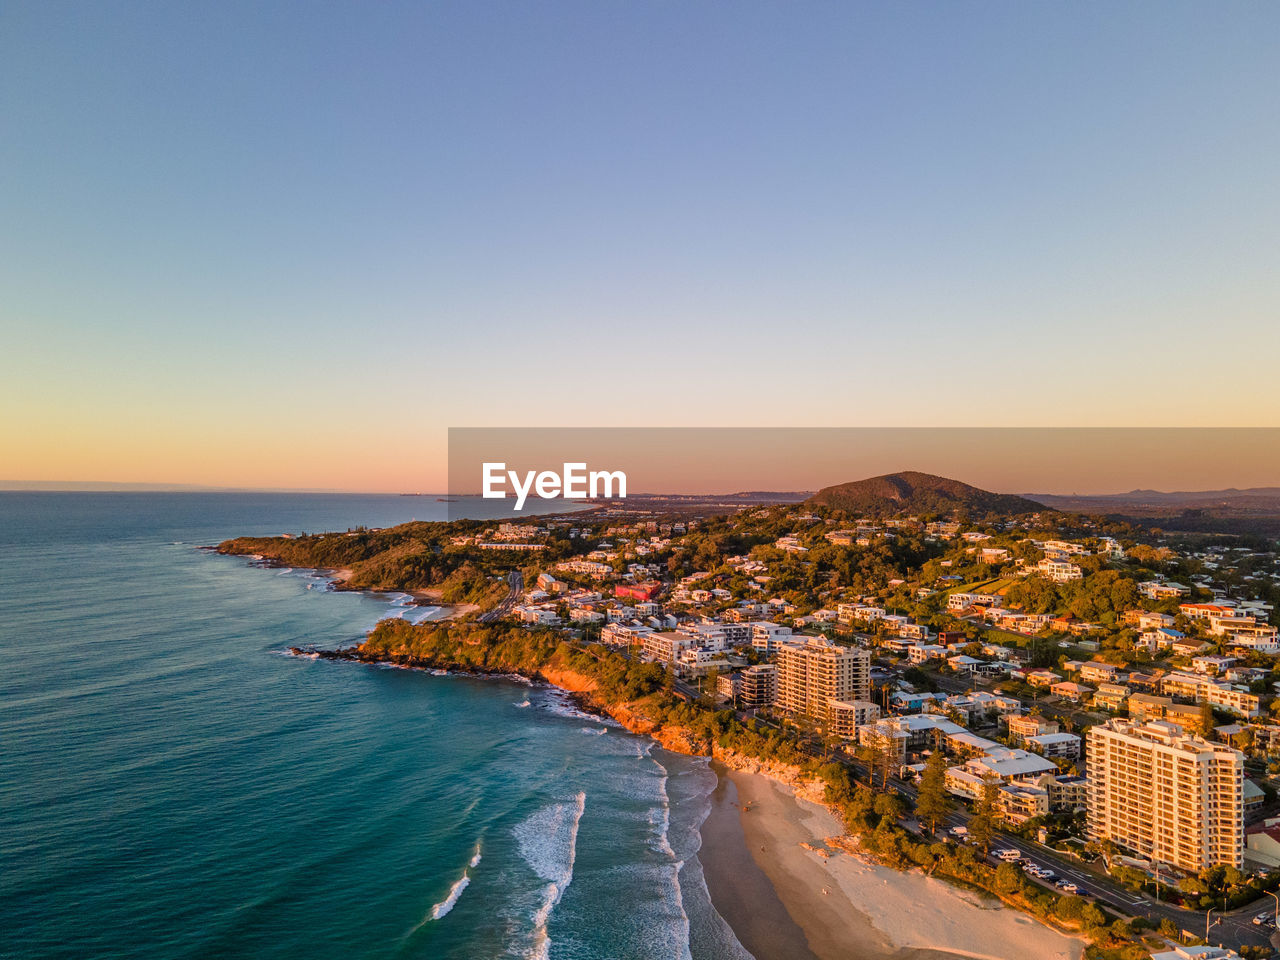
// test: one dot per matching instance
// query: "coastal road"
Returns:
(515, 581)
(1234, 928)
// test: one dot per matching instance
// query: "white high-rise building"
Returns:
(1166, 795)
(815, 672)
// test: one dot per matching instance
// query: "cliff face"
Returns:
(586, 689)
(569, 680)
(679, 739)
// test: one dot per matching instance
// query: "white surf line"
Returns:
(441, 909)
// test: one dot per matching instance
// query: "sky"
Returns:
(290, 245)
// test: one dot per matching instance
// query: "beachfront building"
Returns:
(1166, 795)
(847, 716)
(752, 688)
(812, 674)
(664, 647)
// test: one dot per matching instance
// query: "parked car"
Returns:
(1008, 854)
(1066, 886)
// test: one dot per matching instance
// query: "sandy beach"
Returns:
(448, 611)
(785, 901)
(425, 595)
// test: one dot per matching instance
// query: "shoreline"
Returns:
(789, 901)
(338, 577)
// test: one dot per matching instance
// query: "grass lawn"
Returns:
(974, 587)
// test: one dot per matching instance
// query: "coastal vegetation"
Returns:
(636, 693)
(410, 556)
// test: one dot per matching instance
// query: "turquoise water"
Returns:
(173, 785)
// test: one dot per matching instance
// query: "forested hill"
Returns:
(919, 493)
(405, 557)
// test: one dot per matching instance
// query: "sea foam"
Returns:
(442, 908)
(548, 841)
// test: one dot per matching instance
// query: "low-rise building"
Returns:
(1071, 691)
(1030, 725)
(1055, 746)
(1110, 696)
(1059, 571)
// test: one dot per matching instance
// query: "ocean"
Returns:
(174, 785)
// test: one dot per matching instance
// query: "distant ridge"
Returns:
(1240, 512)
(1252, 497)
(913, 492)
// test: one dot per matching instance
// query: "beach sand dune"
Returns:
(786, 900)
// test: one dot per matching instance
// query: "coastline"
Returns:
(338, 577)
(787, 901)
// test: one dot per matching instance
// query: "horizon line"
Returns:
(111, 486)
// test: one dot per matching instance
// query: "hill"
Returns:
(912, 492)
(1251, 512)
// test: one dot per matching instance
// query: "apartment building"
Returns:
(958, 601)
(1202, 689)
(752, 688)
(1166, 795)
(1144, 707)
(1065, 746)
(664, 647)
(624, 634)
(767, 636)
(1030, 725)
(846, 716)
(818, 671)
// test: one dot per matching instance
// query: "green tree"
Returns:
(1092, 917)
(933, 804)
(1206, 719)
(982, 826)
(889, 807)
(1008, 879)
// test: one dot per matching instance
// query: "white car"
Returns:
(1008, 854)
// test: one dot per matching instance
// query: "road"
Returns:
(1234, 929)
(515, 581)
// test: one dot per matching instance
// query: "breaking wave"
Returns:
(548, 841)
(442, 908)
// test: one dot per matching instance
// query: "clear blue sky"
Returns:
(291, 243)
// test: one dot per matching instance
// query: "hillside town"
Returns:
(1107, 696)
